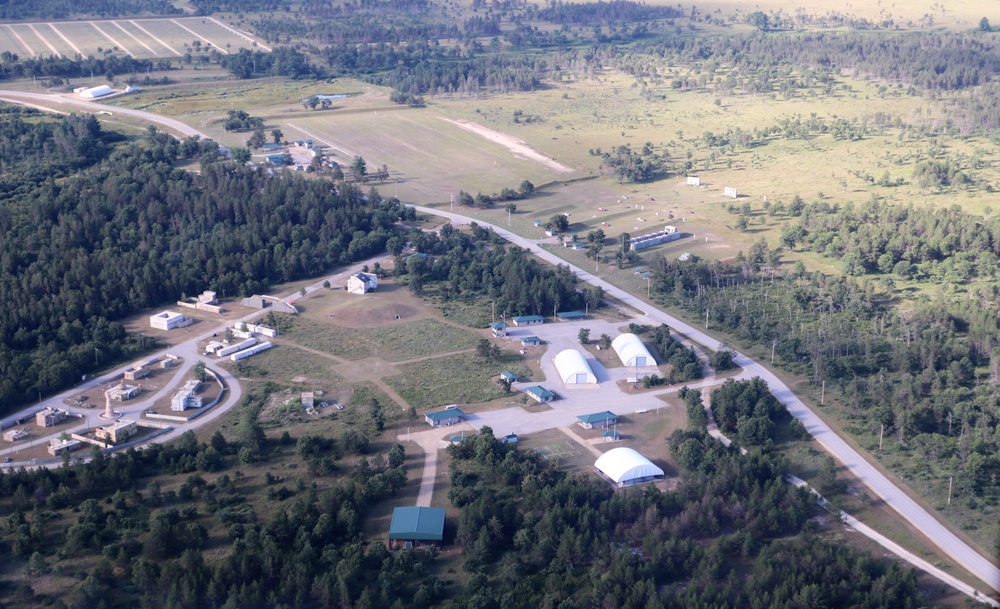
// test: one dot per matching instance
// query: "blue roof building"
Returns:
(598, 419)
(415, 526)
(540, 394)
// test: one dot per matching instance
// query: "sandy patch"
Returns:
(516, 146)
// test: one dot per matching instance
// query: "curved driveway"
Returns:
(964, 554)
(37, 99)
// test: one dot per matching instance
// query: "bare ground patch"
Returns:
(517, 147)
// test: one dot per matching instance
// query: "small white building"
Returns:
(95, 92)
(168, 320)
(693, 181)
(730, 192)
(185, 398)
(632, 352)
(573, 368)
(362, 283)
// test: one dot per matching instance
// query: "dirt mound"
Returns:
(378, 315)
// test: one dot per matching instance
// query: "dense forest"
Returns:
(13, 10)
(132, 232)
(483, 264)
(535, 536)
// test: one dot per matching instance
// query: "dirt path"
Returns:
(516, 146)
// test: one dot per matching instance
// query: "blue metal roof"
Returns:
(540, 391)
(597, 417)
(417, 523)
(442, 415)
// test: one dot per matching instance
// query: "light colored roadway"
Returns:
(965, 555)
(18, 97)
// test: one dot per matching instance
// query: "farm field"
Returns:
(139, 38)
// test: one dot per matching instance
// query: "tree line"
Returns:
(24, 10)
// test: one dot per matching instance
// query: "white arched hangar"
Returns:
(632, 352)
(573, 369)
(625, 467)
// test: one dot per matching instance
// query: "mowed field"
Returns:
(139, 38)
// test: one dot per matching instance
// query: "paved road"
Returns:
(964, 554)
(47, 101)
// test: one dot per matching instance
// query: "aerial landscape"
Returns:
(498, 304)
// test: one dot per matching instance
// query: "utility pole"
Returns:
(822, 396)
(647, 287)
(706, 319)
(881, 433)
(494, 303)
(773, 344)
(951, 479)
(452, 195)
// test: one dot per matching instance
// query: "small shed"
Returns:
(570, 315)
(530, 341)
(510, 376)
(540, 394)
(598, 419)
(416, 526)
(611, 435)
(509, 439)
(448, 416)
(499, 328)
(528, 320)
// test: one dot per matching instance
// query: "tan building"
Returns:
(117, 432)
(57, 447)
(308, 399)
(15, 435)
(50, 417)
(122, 392)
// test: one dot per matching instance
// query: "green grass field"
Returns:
(458, 379)
(394, 343)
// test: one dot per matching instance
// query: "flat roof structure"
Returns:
(570, 315)
(417, 524)
(527, 320)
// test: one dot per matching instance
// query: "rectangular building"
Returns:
(118, 432)
(527, 320)
(168, 320)
(50, 417)
(185, 398)
(444, 417)
(540, 394)
(601, 420)
(416, 526)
